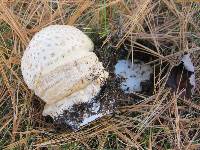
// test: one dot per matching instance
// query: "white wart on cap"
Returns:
(60, 67)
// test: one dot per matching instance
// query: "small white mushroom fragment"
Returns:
(59, 65)
(182, 77)
(133, 74)
(187, 62)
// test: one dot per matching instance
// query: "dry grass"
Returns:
(161, 121)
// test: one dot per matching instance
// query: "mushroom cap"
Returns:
(60, 67)
(53, 46)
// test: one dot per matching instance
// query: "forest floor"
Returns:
(157, 32)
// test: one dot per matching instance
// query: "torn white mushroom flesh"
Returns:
(133, 74)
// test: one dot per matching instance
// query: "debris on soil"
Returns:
(182, 77)
(83, 114)
(133, 74)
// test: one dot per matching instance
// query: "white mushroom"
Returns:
(60, 67)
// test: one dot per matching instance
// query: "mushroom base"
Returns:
(82, 114)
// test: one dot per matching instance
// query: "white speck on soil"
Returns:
(133, 74)
(96, 107)
(90, 119)
(188, 63)
(192, 82)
